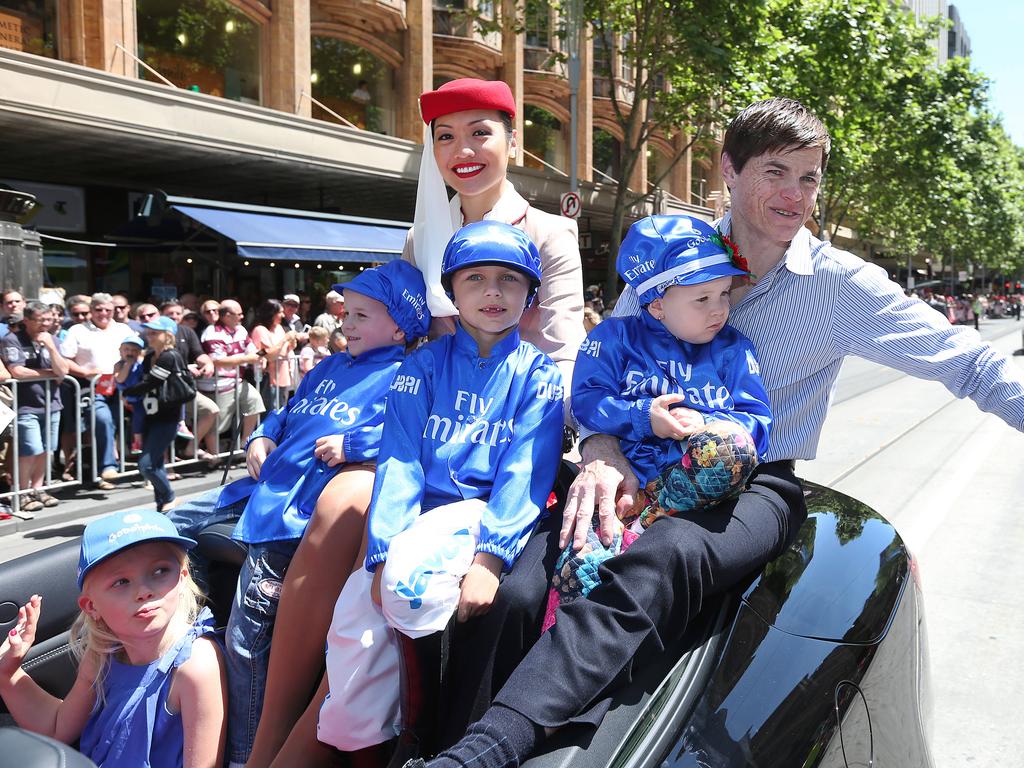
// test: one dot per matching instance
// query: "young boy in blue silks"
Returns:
(321, 445)
(680, 388)
(472, 440)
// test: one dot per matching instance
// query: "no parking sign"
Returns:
(571, 205)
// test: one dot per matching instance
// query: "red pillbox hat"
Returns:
(465, 94)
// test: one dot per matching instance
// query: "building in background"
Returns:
(295, 104)
(950, 41)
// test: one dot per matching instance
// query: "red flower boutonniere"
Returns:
(734, 252)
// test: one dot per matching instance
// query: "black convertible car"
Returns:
(819, 660)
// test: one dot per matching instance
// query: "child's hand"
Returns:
(375, 585)
(479, 586)
(20, 639)
(330, 450)
(677, 423)
(256, 454)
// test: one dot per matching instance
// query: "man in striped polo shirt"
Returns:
(229, 347)
(810, 307)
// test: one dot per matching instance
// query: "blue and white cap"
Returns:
(134, 338)
(399, 286)
(161, 323)
(109, 535)
(661, 251)
(491, 243)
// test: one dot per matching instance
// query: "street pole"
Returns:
(572, 40)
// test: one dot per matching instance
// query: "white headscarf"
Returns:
(433, 226)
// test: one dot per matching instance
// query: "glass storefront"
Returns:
(207, 46)
(544, 138)
(29, 26)
(353, 83)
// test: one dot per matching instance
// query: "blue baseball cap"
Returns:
(134, 339)
(161, 324)
(661, 251)
(109, 535)
(491, 243)
(399, 286)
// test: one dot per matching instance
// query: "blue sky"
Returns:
(996, 30)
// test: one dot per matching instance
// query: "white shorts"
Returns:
(420, 589)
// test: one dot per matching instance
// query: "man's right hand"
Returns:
(606, 481)
(257, 452)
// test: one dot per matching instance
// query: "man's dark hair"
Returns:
(170, 303)
(771, 125)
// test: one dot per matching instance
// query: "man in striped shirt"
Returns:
(811, 306)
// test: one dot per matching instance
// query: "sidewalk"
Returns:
(79, 502)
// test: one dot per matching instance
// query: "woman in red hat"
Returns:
(467, 147)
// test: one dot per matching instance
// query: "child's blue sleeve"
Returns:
(597, 402)
(526, 472)
(399, 483)
(362, 442)
(275, 422)
(742, 377)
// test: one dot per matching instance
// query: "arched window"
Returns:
(544, 138)
(30, 26)
(354, 83)
(607, 157)
(202, 45)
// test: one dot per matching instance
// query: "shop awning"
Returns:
(281, 234)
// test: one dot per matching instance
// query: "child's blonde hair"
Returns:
(92, 641)
(318, 332)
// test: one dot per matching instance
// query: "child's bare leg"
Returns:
(331, 548)
(302, 747)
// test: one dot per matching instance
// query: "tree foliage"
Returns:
(918, 165)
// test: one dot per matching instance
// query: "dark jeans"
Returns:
(156, 439)
(646, 598)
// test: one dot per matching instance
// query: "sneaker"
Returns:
(5, 511)
(47, 499)
(184, 432)
(110, 473)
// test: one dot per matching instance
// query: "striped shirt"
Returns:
(820, 304)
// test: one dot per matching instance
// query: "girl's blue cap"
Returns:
(399, 286)
(661, 251)
(491, 243)
(161, 323)
(136, 340)
(109, 535)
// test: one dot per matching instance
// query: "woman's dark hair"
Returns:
(506, 121)
(266, 311)
(772, 125)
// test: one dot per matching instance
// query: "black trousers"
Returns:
(647, 597)
(484, 651)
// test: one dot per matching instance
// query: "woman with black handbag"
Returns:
(166, 386)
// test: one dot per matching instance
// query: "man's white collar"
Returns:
(798, 255)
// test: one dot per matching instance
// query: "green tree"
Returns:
(845, 61)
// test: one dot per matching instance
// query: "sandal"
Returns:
(105, 485)
(30, 503)
(47, 499)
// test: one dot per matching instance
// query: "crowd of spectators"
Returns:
(64, 366)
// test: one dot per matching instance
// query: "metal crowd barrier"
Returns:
(84, 402)
(17, 492)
